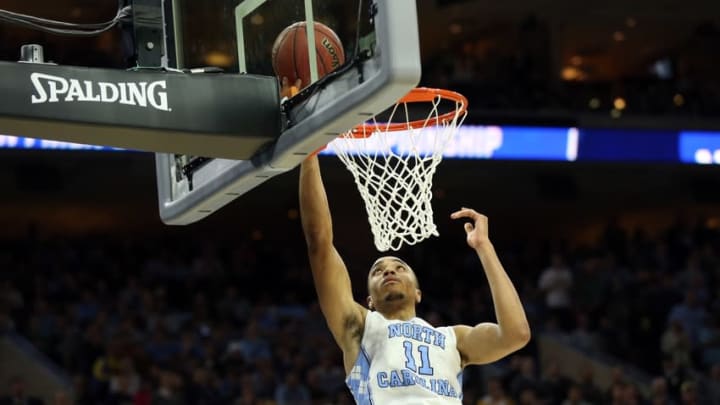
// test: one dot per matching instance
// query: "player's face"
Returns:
(391, 279)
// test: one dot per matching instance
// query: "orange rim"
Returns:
(417, 95)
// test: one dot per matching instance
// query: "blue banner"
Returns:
(476, 142)
(19, 142)
(512, 143)
(699, 147)
(624, 145)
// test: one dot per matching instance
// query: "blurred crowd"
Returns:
(524, 69)
(236, 322)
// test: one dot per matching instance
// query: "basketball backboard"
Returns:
(382, 50)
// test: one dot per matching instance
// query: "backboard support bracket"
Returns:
(148, 18)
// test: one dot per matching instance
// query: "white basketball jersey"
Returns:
(406, 363)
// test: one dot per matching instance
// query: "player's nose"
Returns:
(388, 271)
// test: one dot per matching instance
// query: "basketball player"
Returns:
(391, 356)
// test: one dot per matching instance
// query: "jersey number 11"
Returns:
(424, 350)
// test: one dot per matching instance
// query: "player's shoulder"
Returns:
(354, 324)
(356, 321)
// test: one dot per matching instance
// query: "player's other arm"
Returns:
(344, 316)
(488, 342)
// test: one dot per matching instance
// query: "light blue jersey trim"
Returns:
(359, 379)
(460, 382)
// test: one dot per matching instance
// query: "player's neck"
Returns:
(399, 313)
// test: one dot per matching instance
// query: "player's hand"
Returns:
(477, 230)
(288, 90)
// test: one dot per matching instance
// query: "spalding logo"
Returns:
(54, 89)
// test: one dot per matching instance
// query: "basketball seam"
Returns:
(295, 32)
(279, 44)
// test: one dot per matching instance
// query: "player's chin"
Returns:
(394, 296)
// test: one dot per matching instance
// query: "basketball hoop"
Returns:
(393, 157)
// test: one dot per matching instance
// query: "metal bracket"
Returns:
(149, 28)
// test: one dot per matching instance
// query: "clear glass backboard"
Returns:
(380, 41)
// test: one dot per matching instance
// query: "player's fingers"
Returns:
(284, 81)
(468, 227)
(457, 214)
(298, 83)
(463, 213)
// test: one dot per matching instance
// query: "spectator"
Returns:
(169, 390)
(326, 378)
(709, 342)
(574, 396)
(590, 391)
(61, 398)
(528, 396)
(617, 394)
(264, 379)
(554, 387)
(582, 336)
(252, 346)
(17, 394)
(674, 375)
(292, 391)
(11, 297)
(556, 283)
(526, 379)
(659, 392)
(201, 389)
(713, 388)
(590, 285)
(689, 393)
(6, 321)
(631, 395)
(675, 343)
(162, 349)
(495, 394)
(690, 314)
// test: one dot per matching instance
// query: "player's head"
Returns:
(392, 284)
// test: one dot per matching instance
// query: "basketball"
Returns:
(290, 52)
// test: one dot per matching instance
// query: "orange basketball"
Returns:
(290, 52)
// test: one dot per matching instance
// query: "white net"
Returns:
(394, 169)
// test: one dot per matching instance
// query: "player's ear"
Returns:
(418, 295)
(370, 303)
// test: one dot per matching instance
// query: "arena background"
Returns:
(100, 303)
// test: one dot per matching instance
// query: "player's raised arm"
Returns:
(488, 342)
(344, 316)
